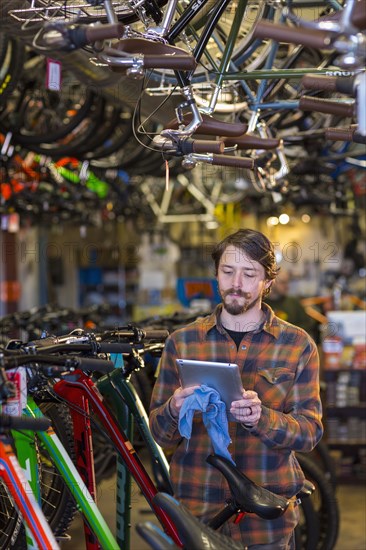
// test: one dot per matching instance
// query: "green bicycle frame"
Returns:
(67, 470)
(127, 407)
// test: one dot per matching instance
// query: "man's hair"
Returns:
(255, 245)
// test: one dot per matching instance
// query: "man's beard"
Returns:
(234, 307)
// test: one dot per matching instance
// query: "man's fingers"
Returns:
(188, 391)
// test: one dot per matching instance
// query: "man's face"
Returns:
(241, 281)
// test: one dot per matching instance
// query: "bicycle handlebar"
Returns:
(69, 362)
(308, 103)
(252, 142)
(135, 334)
(77, 36)
(9, 422)
(312, 38)
(212, 127)
(173, 144)
(235, 162)
(203, 146)
(98, 347)
(345, 134)
(341, 84)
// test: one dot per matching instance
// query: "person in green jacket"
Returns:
(289, 308)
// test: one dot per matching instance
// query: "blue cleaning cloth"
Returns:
(214, 417)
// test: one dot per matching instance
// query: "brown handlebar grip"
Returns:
(319, 82)
(320, 105)
(342, 84)
(213, 127)
(207, 146)
(340, 134)
(174, 62)
(94, 33)
(235, 162)
(156, 334)
(282, 33)
(358, 16)
(252, 142)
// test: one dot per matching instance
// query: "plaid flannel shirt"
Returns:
(280, 362)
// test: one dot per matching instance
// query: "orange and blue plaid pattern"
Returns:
(280, 362)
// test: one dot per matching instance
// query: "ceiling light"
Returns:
(284, 219)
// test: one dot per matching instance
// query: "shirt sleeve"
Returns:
(298, 427)
(163, 426)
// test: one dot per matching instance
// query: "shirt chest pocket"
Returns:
(273, 385)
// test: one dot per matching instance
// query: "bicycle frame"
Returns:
(81, 394)
(127, 407)
(21, 492)
(220, 71)
(27, 458)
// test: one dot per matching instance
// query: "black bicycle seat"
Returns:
(194, 534)
(155, 537)
(307, 489)
(249, 496)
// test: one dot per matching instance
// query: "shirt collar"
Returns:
(271, 323)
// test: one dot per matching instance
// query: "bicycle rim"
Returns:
(10, 520)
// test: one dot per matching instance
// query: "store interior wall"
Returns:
(49, 258)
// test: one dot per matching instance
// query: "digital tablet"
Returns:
(223, 377)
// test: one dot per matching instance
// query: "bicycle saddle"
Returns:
(248, 495)
(194, 534)
(155, 536)
(307, 489)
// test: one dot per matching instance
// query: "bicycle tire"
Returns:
(307, 530)
(324, 502)
(120, 133)
(57, 503)
(78, 138)
(323, 457)
(11, 65)
(33, 112)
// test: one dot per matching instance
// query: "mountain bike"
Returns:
(17, 501)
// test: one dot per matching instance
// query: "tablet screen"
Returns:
(223, 377)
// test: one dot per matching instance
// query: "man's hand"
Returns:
(248, 409)
(179, 396)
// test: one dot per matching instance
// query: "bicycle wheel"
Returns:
(324, 502)
(307, 530)
(38, 11)
(11, 65)
(57, 503)
(11, 522)
(34, 114)
(322, 456)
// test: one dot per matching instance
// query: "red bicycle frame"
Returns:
(81, 394)
(21, 492)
